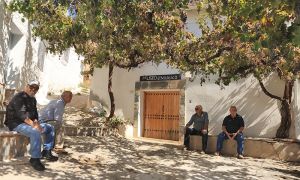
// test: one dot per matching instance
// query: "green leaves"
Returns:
(125, 33)
(263, 35)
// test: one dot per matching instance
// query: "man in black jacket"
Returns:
(22, 116)
(233, 126)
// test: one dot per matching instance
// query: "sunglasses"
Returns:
(34, 88)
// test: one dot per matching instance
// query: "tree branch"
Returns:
(266, 91)
(209, 59)
(129, 65)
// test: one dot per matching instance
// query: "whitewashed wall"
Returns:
(123, 86)
(261, 113)
(23, 58)
(296, 109)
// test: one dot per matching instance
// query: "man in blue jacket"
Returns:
(22, 116)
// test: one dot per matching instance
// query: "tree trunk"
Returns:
(111, 94)
(285, 111)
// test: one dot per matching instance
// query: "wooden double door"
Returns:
(161, 115)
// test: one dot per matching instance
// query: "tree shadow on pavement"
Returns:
(118, 158)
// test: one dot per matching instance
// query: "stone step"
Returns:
(86, 131)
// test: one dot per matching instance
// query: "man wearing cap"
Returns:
(22, 116)
(54, 112)
(200, 127)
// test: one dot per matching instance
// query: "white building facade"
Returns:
(147, 102)
(23, 58)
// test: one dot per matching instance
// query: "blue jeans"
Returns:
(239, 139)
(36, 139)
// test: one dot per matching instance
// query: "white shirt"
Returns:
(53, 111)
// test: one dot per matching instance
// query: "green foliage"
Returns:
(125, 33)
(244, 37)
(116, 122)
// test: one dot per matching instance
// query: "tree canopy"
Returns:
(241, 38)
(127, 32)
(112, 32)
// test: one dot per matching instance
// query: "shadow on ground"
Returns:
(117, 158)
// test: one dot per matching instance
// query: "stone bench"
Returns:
(12, 145)
(286, 150)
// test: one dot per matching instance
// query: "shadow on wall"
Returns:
(3, 40)
(96, 98)
(12, 78)
(260, 112)
(296, 110)
(29, 70)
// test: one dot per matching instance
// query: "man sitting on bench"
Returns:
(22, 116)
(233, 126)
(54, 112)
(200, 127)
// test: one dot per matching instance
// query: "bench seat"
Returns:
(287, 150)
(12, 145)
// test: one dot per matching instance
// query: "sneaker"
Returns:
(36, 164)
(60, 151)
(217, 153)
(240, 156)
(47, 154)
(186, 148)
(202, 152)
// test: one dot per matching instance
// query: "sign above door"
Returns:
(166, 77)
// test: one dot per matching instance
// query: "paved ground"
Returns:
(116, 158)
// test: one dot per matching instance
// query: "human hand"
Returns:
(37, 126)
(230, 135)
(233, 135)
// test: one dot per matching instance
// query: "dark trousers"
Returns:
(192, 131)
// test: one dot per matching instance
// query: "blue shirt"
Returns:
(53, 111)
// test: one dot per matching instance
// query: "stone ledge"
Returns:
(286, 150)
(12, 145)
(87, 131)
(9, 134)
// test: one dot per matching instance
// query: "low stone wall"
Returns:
(12, 145)
(87, 131)
(286, 150)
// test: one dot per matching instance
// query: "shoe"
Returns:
(240, 156)
(187, 148)
(47, 154)
(36, 164)
(60, 151)
(217, 153)
(202, 152)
